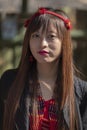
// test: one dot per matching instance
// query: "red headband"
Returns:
(45, 11)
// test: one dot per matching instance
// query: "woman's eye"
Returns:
(51, 36)
(35, 35)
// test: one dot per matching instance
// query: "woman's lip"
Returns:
(43, 52)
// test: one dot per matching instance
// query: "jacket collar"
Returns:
(66, 115)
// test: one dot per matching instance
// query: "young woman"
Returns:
(43, 93)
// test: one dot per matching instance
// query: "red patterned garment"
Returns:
(47, 115)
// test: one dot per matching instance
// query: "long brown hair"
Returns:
(64, 88)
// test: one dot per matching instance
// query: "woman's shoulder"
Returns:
(6, 81)
(9, 72)
(80, 87)
(8, 76)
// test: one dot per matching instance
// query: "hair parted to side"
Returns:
(64, 86)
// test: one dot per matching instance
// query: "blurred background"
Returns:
(13, 13)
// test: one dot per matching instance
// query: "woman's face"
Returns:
(45, 45)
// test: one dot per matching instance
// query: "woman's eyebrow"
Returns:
(36, 32)
(52, 31)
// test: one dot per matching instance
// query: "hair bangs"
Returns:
(37, 23)
(42, 21)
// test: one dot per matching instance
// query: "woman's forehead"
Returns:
(51, 27)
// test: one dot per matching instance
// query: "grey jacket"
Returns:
(22, 119)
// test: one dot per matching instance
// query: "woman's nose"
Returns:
(44, 42)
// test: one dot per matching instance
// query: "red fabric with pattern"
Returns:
(46, 122)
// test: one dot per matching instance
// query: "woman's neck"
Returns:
(47, 71)
(47, 74)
